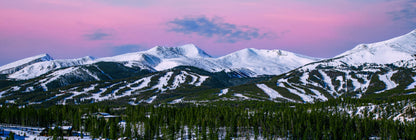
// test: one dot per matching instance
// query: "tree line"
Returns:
(221, 120)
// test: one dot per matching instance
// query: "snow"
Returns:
(97, 96)
(57, 95)
(273, 94)
(304, 97)
(10, 101)
(412, 85)
(166, 64)
(176, 101)
(41, 57)
(223, 92)
(319, 95)
(341, 81)
(386, 78)
(55, 75)
(384, 52)
(40, 68)
(201, 80)
(403, 117)
(241, 96)
(139, 86)
(197, 80)
(251, 62)
(163, 82)
(29, 89)
(151, 99)
(75, 93)
(194, 79)
(135, 87)
(15, 88)
(188, 50)
(301, 92)
(92, 75)
(163, 58)
(179, 79)
(145, 83)
(133, 103)
(357, 85)
(1, 93)
(304, 78)
(397, 51)
(327, 80)
(264, 62)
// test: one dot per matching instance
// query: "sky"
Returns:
(77, 28)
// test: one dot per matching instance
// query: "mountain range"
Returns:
(188, 74)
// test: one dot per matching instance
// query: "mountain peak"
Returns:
(44, 56)
(264, 62)
(188, 50)
(189, 46)
(87, 58)
(24, 62)
(384, 52)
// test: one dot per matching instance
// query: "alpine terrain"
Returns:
(144, 74)
(182, 92)
(188, 74)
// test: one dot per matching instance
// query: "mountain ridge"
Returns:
(19, 64)
(389, 51)
(169, 75)
(261, 62)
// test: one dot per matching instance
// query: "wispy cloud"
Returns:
(97, 35)
(215, 27)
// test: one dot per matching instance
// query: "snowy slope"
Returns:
(17, 65)
(263, 62)
(366, 69)
(188, 50)
(271, 92)
(163, 58)
(385, 52)
(40, 68)
(249, 62)
(158, 52)
(246, 62)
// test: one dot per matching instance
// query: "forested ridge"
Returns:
(220, 120)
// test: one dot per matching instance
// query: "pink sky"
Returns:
(71, 29)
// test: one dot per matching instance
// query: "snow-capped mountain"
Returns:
(161, 58)
(246, 62)
(366, 70)
(385, 52)
(17, 65)
(254, 62)
(169, 75)
(36, 69)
